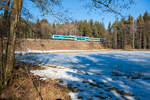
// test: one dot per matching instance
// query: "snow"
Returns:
(98, 75)
(27, 51)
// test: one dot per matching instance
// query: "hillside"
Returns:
(40, 44)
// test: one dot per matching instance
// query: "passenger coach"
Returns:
(83, 38)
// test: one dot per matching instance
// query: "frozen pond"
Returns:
(109, 75)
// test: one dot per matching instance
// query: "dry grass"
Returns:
(22, 88)
(47, 44)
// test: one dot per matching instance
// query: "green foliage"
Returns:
(146, 17)
(44, 21)
(91, 29)
(130, 19)
(140, 20)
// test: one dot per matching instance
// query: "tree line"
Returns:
(130, 33)
(122, 34)
(42, 29)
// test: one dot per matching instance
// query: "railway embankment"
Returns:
(47, 44)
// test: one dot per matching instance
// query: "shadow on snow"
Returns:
(103, 76)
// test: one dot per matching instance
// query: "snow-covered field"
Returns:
(110, 75)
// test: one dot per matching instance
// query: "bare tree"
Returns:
(12, 15)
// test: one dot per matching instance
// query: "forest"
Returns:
(126, 33)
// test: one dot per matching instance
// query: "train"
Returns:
(83, 38)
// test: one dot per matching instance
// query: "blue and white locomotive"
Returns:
(83, 38)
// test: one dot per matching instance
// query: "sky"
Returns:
(77, 11)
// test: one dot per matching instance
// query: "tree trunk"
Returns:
(124, 39)
(3, 31)
(14, 18)
(6, 10)
(133, 40)
(1, 61)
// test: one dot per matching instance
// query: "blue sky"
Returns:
(77, 11)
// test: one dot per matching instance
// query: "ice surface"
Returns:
(98, 75)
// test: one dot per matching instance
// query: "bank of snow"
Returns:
(98, 75)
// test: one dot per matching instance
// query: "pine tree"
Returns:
(146, 18)
(90, 28)
(109, 36)
(115, 29)
(131, 36)
(140, 32)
